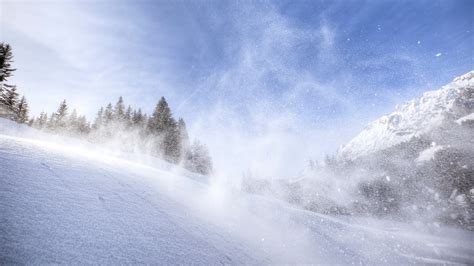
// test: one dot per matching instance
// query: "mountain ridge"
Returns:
(415, 118)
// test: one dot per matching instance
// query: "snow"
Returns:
(464, 119)
(410, 119)
(428, 154)
(73, 205)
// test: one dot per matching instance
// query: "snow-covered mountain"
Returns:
(65, 203)
(454, 101)
(415, 163)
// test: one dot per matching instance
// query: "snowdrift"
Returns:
(64, 202)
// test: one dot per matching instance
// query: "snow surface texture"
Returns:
(66, 204)
(411, 119)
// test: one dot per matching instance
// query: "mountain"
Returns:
(417, 162)
(416, 118)
(414, 165)
(65, 202)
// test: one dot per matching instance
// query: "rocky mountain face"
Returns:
(434, 110)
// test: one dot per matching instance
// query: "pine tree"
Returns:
(197, 159)
(10, 101)
(171, 146)
(6, 58)
(11, 98)
(60, 117)
(183, 133)
(22, 111)
(145, 120)
(163, 126)
(119, 110)
(182, 138)
(6, 71)
(99, 119)
(108, 114)
(83, 127)
(128, 116)
(162, 119)
(40, 121)
(51, 124)
(138, 118)
(72, 123)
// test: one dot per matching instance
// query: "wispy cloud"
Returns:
(68, 50)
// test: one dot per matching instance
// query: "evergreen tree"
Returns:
(72, 121)
(6, 58)
(119, 110)
(171, 146)
(108, 114)
(163, 126)
(83, 127)
(22, 111)
(10, 101)
(162, 119)
(99, 119)
(128, 116)
(6, 71)
(137, 118)
(41, 121)
(51, 124)
(197, 159)
(182, 138)
(60, 117)
(145, 120)
(31, 122)
(183, 133)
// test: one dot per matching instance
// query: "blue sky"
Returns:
(267, 78)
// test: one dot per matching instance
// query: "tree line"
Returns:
(124, 128)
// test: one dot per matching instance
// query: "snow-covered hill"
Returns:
(64, 202)
(416, 117)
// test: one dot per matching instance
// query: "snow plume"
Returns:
(249, 129)
(283, 95)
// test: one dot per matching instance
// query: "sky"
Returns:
(267, 85)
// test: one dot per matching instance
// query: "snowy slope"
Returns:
(65, 204)
(414, 118)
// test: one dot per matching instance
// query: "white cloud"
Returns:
(72, 50)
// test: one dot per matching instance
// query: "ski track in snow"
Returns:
(61, 207)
